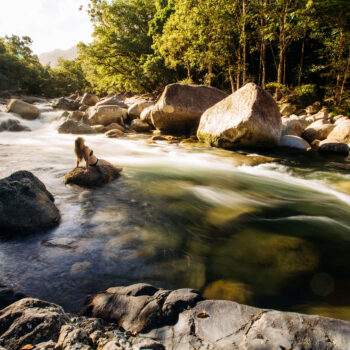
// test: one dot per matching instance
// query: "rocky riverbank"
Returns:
(142, 316)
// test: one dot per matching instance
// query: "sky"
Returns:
(52, 24)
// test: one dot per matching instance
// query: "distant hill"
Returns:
(52, 56)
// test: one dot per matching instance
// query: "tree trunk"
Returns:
(302, 58)
(210, 72)
(230, 73)
(263, 79)
(188, 71)
(244, 42)
(284, 66)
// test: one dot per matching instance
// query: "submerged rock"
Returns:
(12, 125)
(95, 176)
(24, 109)
(30, 321)
(180, 107)
(25, 205)
(248, 118)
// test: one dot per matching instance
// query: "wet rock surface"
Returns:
(73, 127)
(66, 104)
(12, 124)
(25, 205)
(24, 109)
(95, 176)
(142, 316)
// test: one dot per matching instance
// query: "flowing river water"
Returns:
(273, 235)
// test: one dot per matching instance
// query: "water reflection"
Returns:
(235, 226)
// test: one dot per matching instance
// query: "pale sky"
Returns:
(52, 24)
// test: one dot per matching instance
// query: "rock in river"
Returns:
(25, 205)
(73, 127)
(66, 104)
(24, 109)
(96, 176)
(249, 117)
(11, 124)
(181, 106)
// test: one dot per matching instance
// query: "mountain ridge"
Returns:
(51, 57)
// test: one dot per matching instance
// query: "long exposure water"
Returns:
(273, 235)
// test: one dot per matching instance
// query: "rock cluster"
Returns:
(144, 317)
(26, 206)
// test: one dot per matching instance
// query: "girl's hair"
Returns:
(78, 149)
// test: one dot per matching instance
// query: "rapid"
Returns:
(269, 234)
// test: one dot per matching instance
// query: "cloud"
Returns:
(51, 24)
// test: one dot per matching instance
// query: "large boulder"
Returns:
(73, 127)
(114, 133)
(89, 99)
(180, 106)
(66, 104)
(292, 141)
(136, 109)
(146, 114)
(249, 118)
(106, 115)
(318, 130)
(12, 124)
(24, 109)
(95, 176)
(30, 321)
(26, 206)
(112, 101)
(341, 132)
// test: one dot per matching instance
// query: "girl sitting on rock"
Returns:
(84, 152)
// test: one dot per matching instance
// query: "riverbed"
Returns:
(271, 233)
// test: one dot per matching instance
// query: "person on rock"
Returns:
(83, 152)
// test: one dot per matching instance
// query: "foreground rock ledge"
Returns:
(96, 176)
(142, 316)
(26, 206)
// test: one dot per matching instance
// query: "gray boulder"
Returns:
(106, 115)
(66, 104)
(139, 126)
(136, 109)
(12, 124)
(180, 106)
(341, 132)
(319, 130)
(114, 133)
(30, 321)
(329, 146)
(25, 205)
(96, 176)
(112, 101)
(89, 99)
(292, 127)
(248, 118)
(24, 109)
(74, 127)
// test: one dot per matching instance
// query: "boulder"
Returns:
(72, 127)
(322, 114)
(24, 109)
(329, 146)
(66, 104)
(292, 127)
(30, 321)
(341, 132)
(12, 124)
(248, 118)
(180, 106)
(95, 176)
(146, 114)
(98, 129)
(112, 101)
(313, 109)
(139, 126)
(83, 108)
(106, 115)
(25, 205)
(75, 115)
(114, 126)
(114, 133)
(287, 109)
(89, 99)
(339, 119)
(136, 109)
(292, 141)
(319, 130)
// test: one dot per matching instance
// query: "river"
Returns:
(273, 235)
